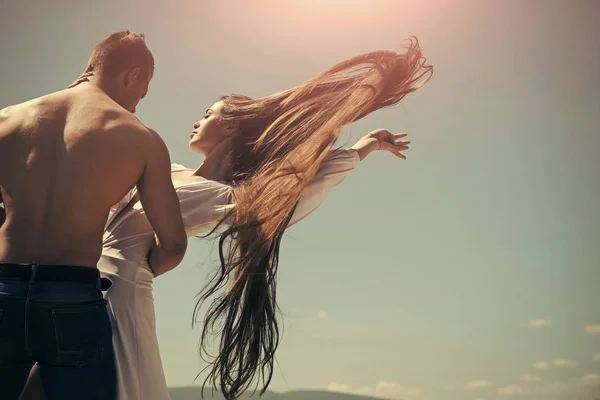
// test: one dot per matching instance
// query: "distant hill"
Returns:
(193, 393)
(320, 395)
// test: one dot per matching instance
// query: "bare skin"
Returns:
(65, 159)
(2, 213)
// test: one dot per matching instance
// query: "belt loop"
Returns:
(34, 268)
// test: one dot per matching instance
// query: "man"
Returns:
(65, 159)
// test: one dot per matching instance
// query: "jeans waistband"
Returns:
(50, 273)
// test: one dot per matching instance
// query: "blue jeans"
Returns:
(63, 325)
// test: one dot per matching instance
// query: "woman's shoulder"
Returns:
(196, 189)
(202, 201)
(179, 167)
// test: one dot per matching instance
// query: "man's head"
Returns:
(124, 63)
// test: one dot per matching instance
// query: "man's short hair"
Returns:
(121, 50)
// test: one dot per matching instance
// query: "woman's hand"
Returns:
(382, 140)
(82, 78)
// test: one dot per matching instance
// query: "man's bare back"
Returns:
(65, 159)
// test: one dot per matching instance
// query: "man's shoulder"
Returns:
(32, 108)
(6, 112)
(10, 118)
(136, 127)
(127, 126)
(27, 105)
(14, 110)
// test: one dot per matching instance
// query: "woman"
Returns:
(268, 164)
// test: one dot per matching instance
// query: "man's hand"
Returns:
(159, 260)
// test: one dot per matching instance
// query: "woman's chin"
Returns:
(196, 147)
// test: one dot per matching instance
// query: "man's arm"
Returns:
(161, 205)
(2, 210)
(9, 122)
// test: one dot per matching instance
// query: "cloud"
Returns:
(564, 363)
(383, 389)
(587, 384)
(511, 390)
(530, 378)
(590, 381)
(583, 384)
(322, 315)
(555, 388)
(478, 384)
(596, 357)
(395, 390)
(593, 329)
(338, 387)
(557, 363)
(540, 323)
(541, 365)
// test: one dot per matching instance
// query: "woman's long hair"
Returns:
(281, 142)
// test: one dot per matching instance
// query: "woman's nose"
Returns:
(196, 124)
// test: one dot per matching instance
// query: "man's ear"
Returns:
(132, 75)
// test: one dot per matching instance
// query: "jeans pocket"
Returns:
(1, 328)
(82, 334)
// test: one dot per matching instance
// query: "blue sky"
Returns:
(470, 271)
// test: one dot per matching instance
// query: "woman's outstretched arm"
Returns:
(203, 205)
(340, 163)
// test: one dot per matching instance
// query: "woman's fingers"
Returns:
(392, 142)
(401, 144)
(395, 150)
(398, 154)
(82, 78)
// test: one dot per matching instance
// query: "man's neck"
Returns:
(89, 80)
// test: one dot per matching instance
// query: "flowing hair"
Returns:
(282, 141)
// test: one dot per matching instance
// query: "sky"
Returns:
(469, 271)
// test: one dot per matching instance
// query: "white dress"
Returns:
(127, 240)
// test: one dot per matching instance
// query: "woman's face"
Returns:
(209, 132)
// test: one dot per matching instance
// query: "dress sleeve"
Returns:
(203, 205)
(206, 203)
(334, 169)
